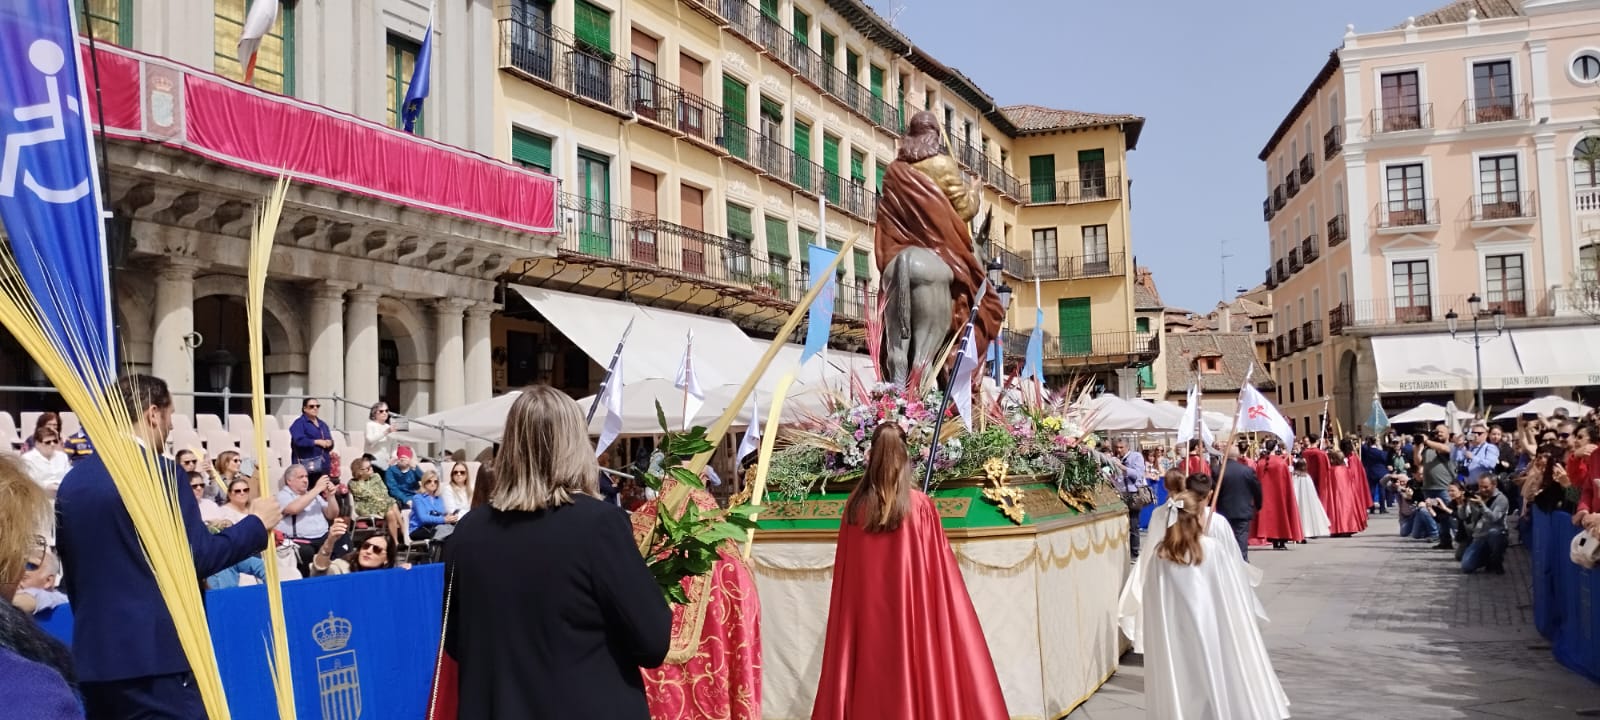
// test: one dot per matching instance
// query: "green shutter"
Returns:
(735, 106)
(900, 92)
(863, 265)
(858, 168)
(769, 8)
(877, 81)
(1075, 323)
(739, 222)
(830, 164)
(852, 64)
(592, 26)
(802, 27)
(807, 239)
(1147, 378)
(828, 45)
(594, 234)
(1141, 325)
(879, 172)
(772, 109)
(531, 149)
(1042, 177)
(802, 150)
(1090, 157)
(778, 237)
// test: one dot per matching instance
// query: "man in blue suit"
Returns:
(125, 644)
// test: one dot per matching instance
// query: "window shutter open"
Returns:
(778, 237)
(735, 103)
(830, 154)
(592, 26)
(802, 27)
(877, 81)
(858, 168)
(880, 170)
(802, 140)
(769, 8)
(807, 239)
(863, 271)
(772, 109)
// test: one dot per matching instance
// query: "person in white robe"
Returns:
(1204, 658)
(1130, 610)
(1313, 518)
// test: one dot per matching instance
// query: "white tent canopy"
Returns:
(1545, 407)
(1427, 412)
(1109, 413)
(480, 420)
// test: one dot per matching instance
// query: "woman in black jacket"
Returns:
(552, 609)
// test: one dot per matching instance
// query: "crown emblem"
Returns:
(332, 634)
(161, 83)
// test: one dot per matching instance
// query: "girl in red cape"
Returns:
(1278, 521)
(1347, 512)
(903, 639)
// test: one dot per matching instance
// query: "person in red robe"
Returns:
(1279, 519)
(1320, 470)
(1347, 511)
(903, 639)
(1351, 447)
(1196, 463)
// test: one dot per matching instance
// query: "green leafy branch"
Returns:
(688, 544)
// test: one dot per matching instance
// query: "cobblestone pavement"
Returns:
(1377, 627)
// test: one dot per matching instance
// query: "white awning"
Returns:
(723, 354)
(1517, 359)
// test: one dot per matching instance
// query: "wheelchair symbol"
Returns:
(47, 58)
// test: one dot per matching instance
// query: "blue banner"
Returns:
(49, 192)
(421, 79)
(1033, 363)
(361, 645)
(1564, 593)
(820, 322)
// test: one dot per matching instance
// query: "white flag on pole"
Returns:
(752, 434)
(689, 383)
(611, 397)
(1190, 413)
(1256, 414)
(967, 364)
(257, 23)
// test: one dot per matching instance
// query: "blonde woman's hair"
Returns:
(429, 475)
(1181, 544)
(545, 457)
(24, 512)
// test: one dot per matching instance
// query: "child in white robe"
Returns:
(1313, 518)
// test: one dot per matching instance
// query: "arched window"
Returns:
(1586, 163)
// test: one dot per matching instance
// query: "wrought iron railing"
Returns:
(662, 103)
(1413, 212)
(1292, 183)
(1503, 206)
(1338, 231)
(1515, 302)
(1266, 209)
(1311, 333)
(1402, 118)
(1308, 168)
(1272, 278)
(1108, 347)
(1083, 190)
(551, 57)
(1332, 141)
(1294, 341)
(1279, 198)
(768, 33)
(1338, 317)
(1310, 249)
(1294, 260)
(1078, 267)
(1478, 111)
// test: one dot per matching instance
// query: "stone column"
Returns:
(479, 344)
(172, 359)
(325, 357)
(1128, 383)
(361, 356)
(449, 371)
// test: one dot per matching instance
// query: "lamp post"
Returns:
(1475, 305)
(997, 281)
(219, 365)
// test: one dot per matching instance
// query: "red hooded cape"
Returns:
(1279, 517)
(903, 639)
(1347, 511)
(1321, 472)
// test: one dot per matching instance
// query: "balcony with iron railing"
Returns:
(1282, 346)
(1010, 263)
(1079, 267)
(1480, 111)
(1008, 184)
(669, 106)
(1410, 215)
(1266, 209)
(1311, 333)
(1504, 208)
(1337, 230)
(1072, 192)
(1014, 342)
(552, 57)
(607, 234)
(1338, 317)
(1515, 303)
(1124, 348)
(1402, 118)
(1332, 142)
(768, 34)
(1310, 249)
(1282, 266)
(1279, 198)
(1294, 341)
(1292, 183)
(1308, 168)
(1294, 260)
(1272, 279)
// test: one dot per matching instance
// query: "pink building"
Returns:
(1457, 155)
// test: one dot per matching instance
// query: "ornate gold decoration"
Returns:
(834, 509)
(1000, 492)
(957, 507)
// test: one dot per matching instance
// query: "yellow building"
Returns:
(704, 144)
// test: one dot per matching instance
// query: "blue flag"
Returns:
(421, 79)
(1379, 421)
(49, 193)
(820, 320)
(1033, 364)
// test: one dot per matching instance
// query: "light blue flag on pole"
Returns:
(421, 79)
(820, 319)
(1033, 364)
(1379, 421)
(49, 192)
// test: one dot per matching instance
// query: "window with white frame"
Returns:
(1499, 193)
(1503, 284)
(1044, 252)
(1413, 301)
(1096, 249)
(1407, 201)
(1402, 101)
(1491, 92)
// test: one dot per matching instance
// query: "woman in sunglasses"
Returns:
(374, 553)
(210, 512)
(238, 504)
(47, 464)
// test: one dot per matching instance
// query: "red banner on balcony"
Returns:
(156, 100)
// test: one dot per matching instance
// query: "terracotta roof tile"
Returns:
(1458, 11)
(1033, 118)
(1238, 354)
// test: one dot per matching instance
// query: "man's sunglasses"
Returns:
(197, 485)
(313, 406)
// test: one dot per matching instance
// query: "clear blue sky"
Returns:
(1211, 79)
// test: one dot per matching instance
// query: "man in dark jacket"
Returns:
(1238, 499)
(125, 644)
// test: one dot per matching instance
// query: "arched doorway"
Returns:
(222, 361)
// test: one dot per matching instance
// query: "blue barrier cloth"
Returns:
(1564, 593)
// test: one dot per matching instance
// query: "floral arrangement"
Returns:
(1036, 434)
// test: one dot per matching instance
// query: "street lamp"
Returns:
(1003, 291)
(1451, 319)
(219, 365)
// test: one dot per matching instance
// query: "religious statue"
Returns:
(923, 246)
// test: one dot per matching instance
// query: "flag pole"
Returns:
(611, 368)
(1238, 402)
(944, 399)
